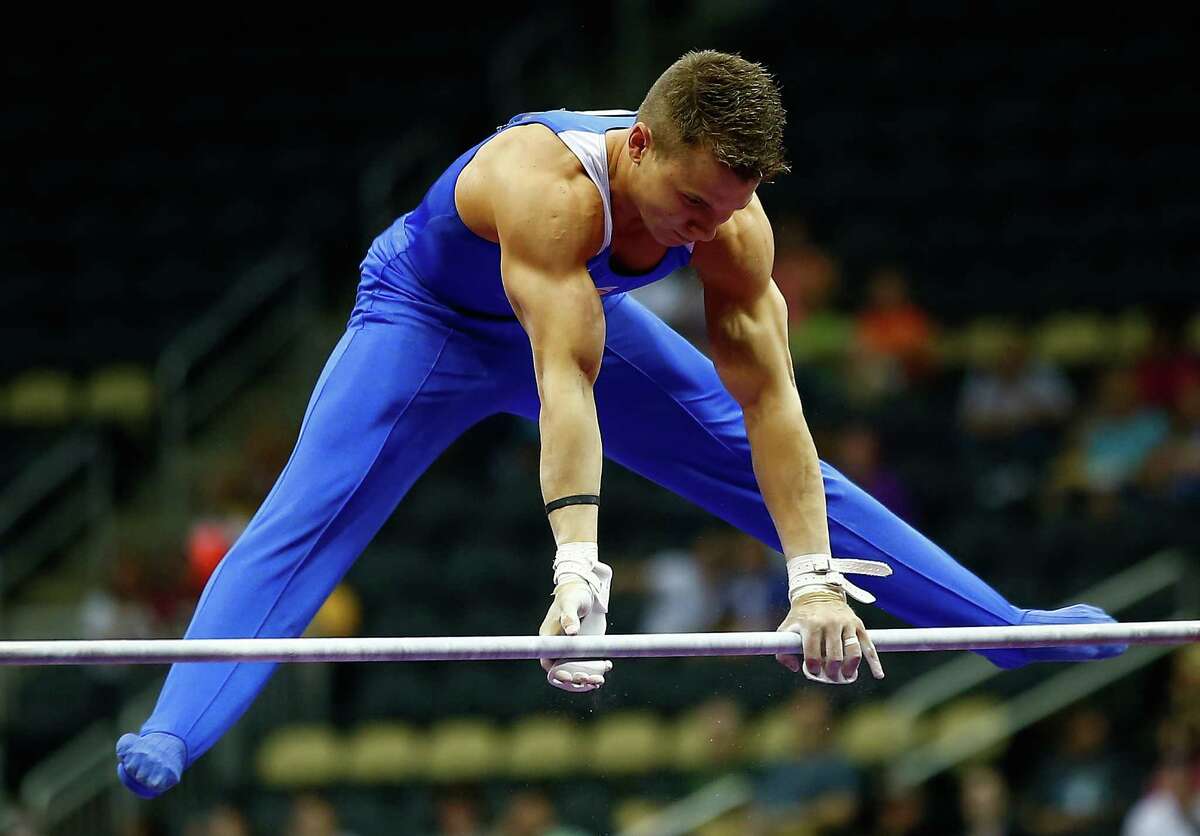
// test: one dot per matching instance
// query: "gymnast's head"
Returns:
(708, 132)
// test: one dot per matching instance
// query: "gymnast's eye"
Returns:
(695, 201)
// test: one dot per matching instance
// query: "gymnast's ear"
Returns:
(640, 142)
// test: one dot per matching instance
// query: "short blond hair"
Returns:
(724, 103)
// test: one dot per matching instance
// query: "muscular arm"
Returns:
(546, 220)
(530, 194)
(747, 329)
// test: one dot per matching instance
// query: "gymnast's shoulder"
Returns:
(526, 178)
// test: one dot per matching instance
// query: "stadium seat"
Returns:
(1192, 338)
(628, 743)
(985, 339)
(384, 753)
(464, 749)
(41, 397)
(709, 737)
(872, 733)
(771, 737)
(1132, 333)
(120, 394)
(1074, 339)
(302, 756)
(963, 721)
(545, 746)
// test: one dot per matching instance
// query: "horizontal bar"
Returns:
(471, 648)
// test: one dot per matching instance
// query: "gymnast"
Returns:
(505, 290)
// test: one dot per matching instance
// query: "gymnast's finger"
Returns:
(853, 652)
(868, 650)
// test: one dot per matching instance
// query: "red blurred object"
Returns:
(207, 543)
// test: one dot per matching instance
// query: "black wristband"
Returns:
(577, 499)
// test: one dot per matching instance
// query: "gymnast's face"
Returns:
(685, 195)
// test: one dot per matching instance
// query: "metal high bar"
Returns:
(475, 648)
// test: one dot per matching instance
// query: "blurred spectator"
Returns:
(1077, 791)
(682, 587)
(240, 473)
(531, 813)
(755, 593)
(1184, 699)
(119, 611)
(1013, 399)
(1174, 469)
(984, 803)
(806, 274)
(265, 452)
(142, 824)
(459, 813)
(146, 586)
(902, 812)
(727, 580)
(1012, 410)
(868, 378)
(1168, 366)
(1115, 442)
(1122, 433)
(721, 725)
(821, 337)
(16, 822)
(221, 820)
(312, 815)
(818, 787)
(855, 453)
(1172, 807)
(208, 541)
(891, 325)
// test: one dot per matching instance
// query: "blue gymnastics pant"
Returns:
(407, 378)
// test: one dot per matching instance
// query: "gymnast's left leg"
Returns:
(392, 396)
(665, 414)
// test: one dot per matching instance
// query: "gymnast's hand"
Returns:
(835, 640)
(575, 611)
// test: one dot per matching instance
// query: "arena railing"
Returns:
(224, 350)
(66, 491)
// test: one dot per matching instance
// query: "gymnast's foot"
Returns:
(151, 764)
(1075, 614)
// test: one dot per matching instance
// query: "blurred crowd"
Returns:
(964, 431)
(1080, 777)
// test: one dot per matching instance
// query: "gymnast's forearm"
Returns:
(788, 471)
(572, 455)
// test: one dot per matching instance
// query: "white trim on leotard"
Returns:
(592, 151)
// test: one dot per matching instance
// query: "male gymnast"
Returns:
(505, 291)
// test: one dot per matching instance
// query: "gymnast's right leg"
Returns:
(390, 399)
